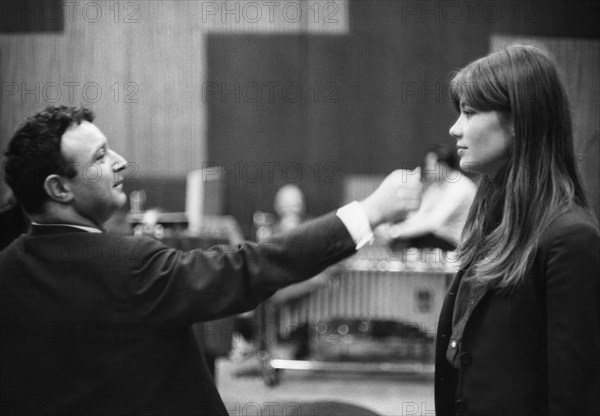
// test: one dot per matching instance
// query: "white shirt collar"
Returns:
(81, 227)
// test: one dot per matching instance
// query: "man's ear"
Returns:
(58, 189)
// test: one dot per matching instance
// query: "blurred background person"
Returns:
(282, 312)
(447, 198)
(290, 207)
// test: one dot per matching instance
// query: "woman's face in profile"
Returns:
(483, 139)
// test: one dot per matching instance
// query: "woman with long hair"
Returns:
(519, 331)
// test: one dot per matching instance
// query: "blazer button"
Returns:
(465, 358)
(460, 406)
(453, 344)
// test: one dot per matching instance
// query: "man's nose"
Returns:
(119, 162)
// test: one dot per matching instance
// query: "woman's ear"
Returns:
(511, 122)
(58, 189)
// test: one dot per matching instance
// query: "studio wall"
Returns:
(138, 65)
(389, 77)
(372, 88)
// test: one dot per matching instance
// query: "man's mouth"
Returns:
(118, 183)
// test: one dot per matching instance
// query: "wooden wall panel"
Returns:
(257, 131)
(155, 51)
(76, 67)
(26, 16)
(167, 59)
(147, 62)
(391, 73)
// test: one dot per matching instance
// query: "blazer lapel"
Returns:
(476, 293)
(445, 321)
(445, 374)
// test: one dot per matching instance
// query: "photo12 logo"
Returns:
(38, 11)
(254, 12)
(269, 92)
(69, 92)
(430, 11)
(281, 408)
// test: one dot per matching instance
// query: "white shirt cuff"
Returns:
(354, 218)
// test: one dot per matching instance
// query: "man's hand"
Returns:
(398, 194)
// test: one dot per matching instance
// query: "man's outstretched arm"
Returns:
(172, 287)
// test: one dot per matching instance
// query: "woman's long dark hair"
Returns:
(540, 181)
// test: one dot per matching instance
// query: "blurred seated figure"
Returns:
(291, 210)
(447, 198)
(150, 224)
(290, 207)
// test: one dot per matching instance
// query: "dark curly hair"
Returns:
(34, 152)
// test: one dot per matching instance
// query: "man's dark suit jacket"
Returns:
(100, 324)
(535, 352)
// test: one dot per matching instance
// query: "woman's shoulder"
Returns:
(576, 222)
(573, 216)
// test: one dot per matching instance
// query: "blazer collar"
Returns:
(472, 298)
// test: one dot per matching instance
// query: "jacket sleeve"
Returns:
(572, 304)
(172, 288)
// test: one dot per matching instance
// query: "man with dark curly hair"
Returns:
(94, 323)
(49, 161)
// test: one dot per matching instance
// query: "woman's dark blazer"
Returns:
(536, 351)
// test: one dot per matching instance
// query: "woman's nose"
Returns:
(455, 130)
